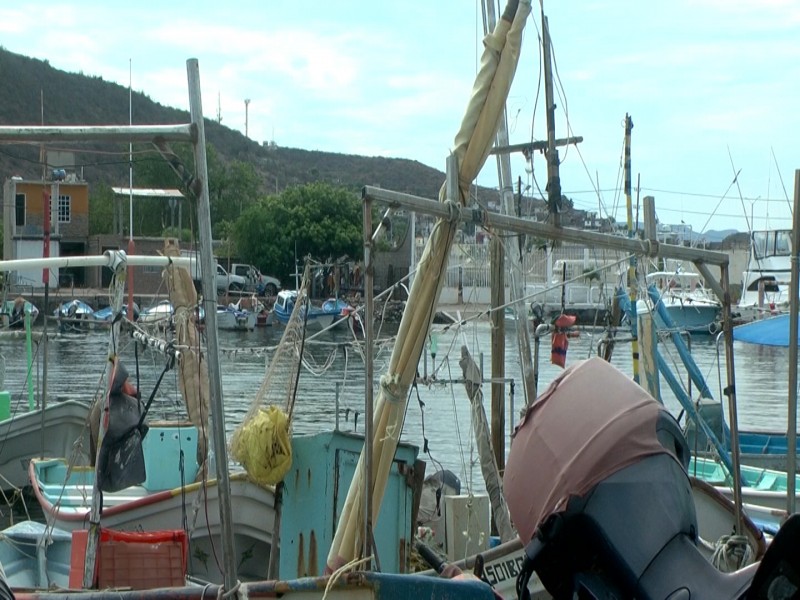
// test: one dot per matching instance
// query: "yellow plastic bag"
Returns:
(263, 446)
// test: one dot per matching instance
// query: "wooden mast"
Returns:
(632, 264)
(551, 154)
(791, 441)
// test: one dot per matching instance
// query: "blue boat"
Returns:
(773, 331)
(333, 310)
(106, 314)
(74, 316)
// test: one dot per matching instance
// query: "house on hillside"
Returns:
(24, 210)
(25, 204)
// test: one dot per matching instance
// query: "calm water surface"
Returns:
(77, 361)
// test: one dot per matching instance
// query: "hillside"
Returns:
(74, 98)
(36, 93)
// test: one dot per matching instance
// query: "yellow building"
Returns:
(24, 213)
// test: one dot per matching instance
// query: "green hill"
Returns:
(36, 93)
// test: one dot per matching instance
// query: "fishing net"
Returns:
(262, 443)
(192, 367)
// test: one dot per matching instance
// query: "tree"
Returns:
(101, 210)
(317, 219)
(233, 188)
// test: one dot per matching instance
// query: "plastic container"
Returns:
(139, 561)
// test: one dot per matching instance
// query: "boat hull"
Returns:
(692, 317)
(316, 320)
(35, 556)
(196, 505)
(24, 434)
(236, 320)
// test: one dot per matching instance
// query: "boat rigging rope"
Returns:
(731, 553)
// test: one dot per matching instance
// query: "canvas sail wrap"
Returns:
(472, 145)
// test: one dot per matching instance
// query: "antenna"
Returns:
(42, 151)
(131, 243)
(246, 115)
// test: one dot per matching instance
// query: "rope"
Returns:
(390, 387)
(341, 570)
(732, 552)
(221, 593)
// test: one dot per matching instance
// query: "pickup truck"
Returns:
(226, 282)
(255, 280)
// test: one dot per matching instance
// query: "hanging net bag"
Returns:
(262, 443)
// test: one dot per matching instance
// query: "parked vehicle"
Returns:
(263, 285)
(226, 282)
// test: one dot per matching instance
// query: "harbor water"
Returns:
(331, 385)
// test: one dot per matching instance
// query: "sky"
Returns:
(712, 86)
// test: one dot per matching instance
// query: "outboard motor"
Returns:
(597, 487)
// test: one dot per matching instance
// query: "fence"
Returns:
(590, 274)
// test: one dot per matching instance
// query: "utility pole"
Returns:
(551, 154)
(246, 117)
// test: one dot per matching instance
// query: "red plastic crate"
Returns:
(133, 560)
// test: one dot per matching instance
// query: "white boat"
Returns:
(162, 503)
(766, 279)
(688, 303)
(28, 434)
(159, 314)
(235, 319)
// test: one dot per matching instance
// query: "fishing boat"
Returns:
(159, 314)
(232, 318)
(763, 490)
(12, 312)
(168, 499)
(35, 556)
(765, 281)
(332, 310)
(74, 316)
(597, 530)
(106, 314)
(25, 435)
(28, 430)
(691, 306)
(759, 448)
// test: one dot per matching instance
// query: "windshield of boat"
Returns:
(772, 243)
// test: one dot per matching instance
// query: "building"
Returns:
(23, 234)
(25, 204)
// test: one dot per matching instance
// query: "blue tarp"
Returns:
(773, 331)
